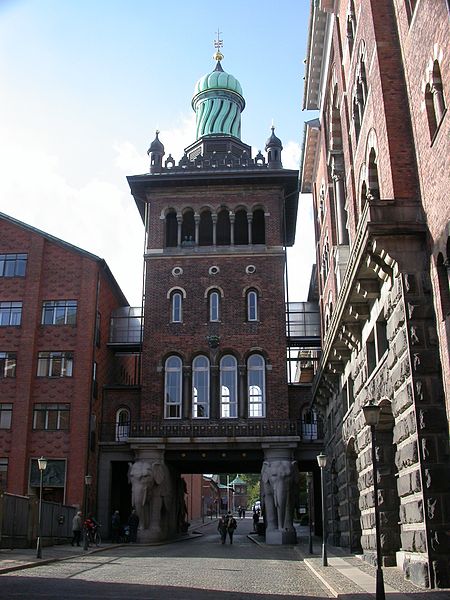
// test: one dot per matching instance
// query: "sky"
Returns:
(84, 84)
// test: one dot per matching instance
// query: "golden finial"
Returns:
(218, 43)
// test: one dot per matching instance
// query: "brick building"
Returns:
(55, 306)
(214, 394)
(377, 162)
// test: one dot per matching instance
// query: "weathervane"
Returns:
(218, 44)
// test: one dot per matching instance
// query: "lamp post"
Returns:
(309, 489)
(42, 464)
(322, 461)
(372, 417)
(87, 484)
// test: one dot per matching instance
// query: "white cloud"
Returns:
(291, 155)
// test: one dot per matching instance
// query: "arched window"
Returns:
(214, 306)
(228, 387)
(434, 100)
(309, 425)
(241, 227)
(258, 227)
(122, 424)
(188, 227)
(363, 197)
(256, 382)
(172, 388)
(443, 271)
(205, 232)
(351, 25)
(171, 229)
(252, 306)
(372, 174)
(223, 228)
(177, 307)
(200, 388)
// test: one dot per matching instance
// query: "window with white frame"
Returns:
(228, 387)
(122, 424)
(59, 312)
(177, 307)
(252, 306)
(51, 416)
(55, 364)
(200, 387)
(8, 361)
(10, 314)
(173, 388)
(256, 386)
(5, 415)
(13, 265)
(214, 306)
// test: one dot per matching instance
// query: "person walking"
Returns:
(133, 524)
(116, 527)
(222, 529)
(231, 526)
(77, 526)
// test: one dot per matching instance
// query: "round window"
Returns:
(177, 271)
(214, 270)
(249, 269)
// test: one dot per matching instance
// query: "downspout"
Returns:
(94, 337)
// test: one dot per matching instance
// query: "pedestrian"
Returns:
(77, 526)
(133, 524)
(222, 529)
(231, 526)
(116, 527)
(255, 520)
(243, 512)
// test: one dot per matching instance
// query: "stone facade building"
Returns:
(377, 162)
(55, 305)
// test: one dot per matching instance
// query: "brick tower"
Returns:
(214, 384)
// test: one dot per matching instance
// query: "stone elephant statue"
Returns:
(151, 496)
(279, 492)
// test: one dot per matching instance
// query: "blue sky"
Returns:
(86, 83)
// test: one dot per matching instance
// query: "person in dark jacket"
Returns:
(222, 529)
(77, 527)
(133, 524)
(231, 526)
(116, 527)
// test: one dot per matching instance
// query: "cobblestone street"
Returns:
(199, 568)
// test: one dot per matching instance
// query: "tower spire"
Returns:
(218, 44)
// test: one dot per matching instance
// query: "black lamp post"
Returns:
(87, 484)
(42, 464)
(309, 489)
(322, 461)
(372, 417)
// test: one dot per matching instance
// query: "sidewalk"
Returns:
(23, 558)
(347, 576)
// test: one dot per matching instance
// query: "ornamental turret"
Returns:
(156, 153)
(273, 149)
(218, 103)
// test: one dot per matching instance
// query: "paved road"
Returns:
(200, 569)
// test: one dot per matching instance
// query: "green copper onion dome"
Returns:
(218, 103)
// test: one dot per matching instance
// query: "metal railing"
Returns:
(113, 432)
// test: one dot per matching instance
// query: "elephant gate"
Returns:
(151, 482)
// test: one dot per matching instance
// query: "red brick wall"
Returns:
(54, 272)
(236, 335)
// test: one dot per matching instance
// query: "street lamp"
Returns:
(322, 461)
(42, 464)
(372, 417)
(309, 490)
(87, 484)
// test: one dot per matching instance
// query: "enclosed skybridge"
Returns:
(302, 341)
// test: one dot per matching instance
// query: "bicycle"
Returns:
(94, 537)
